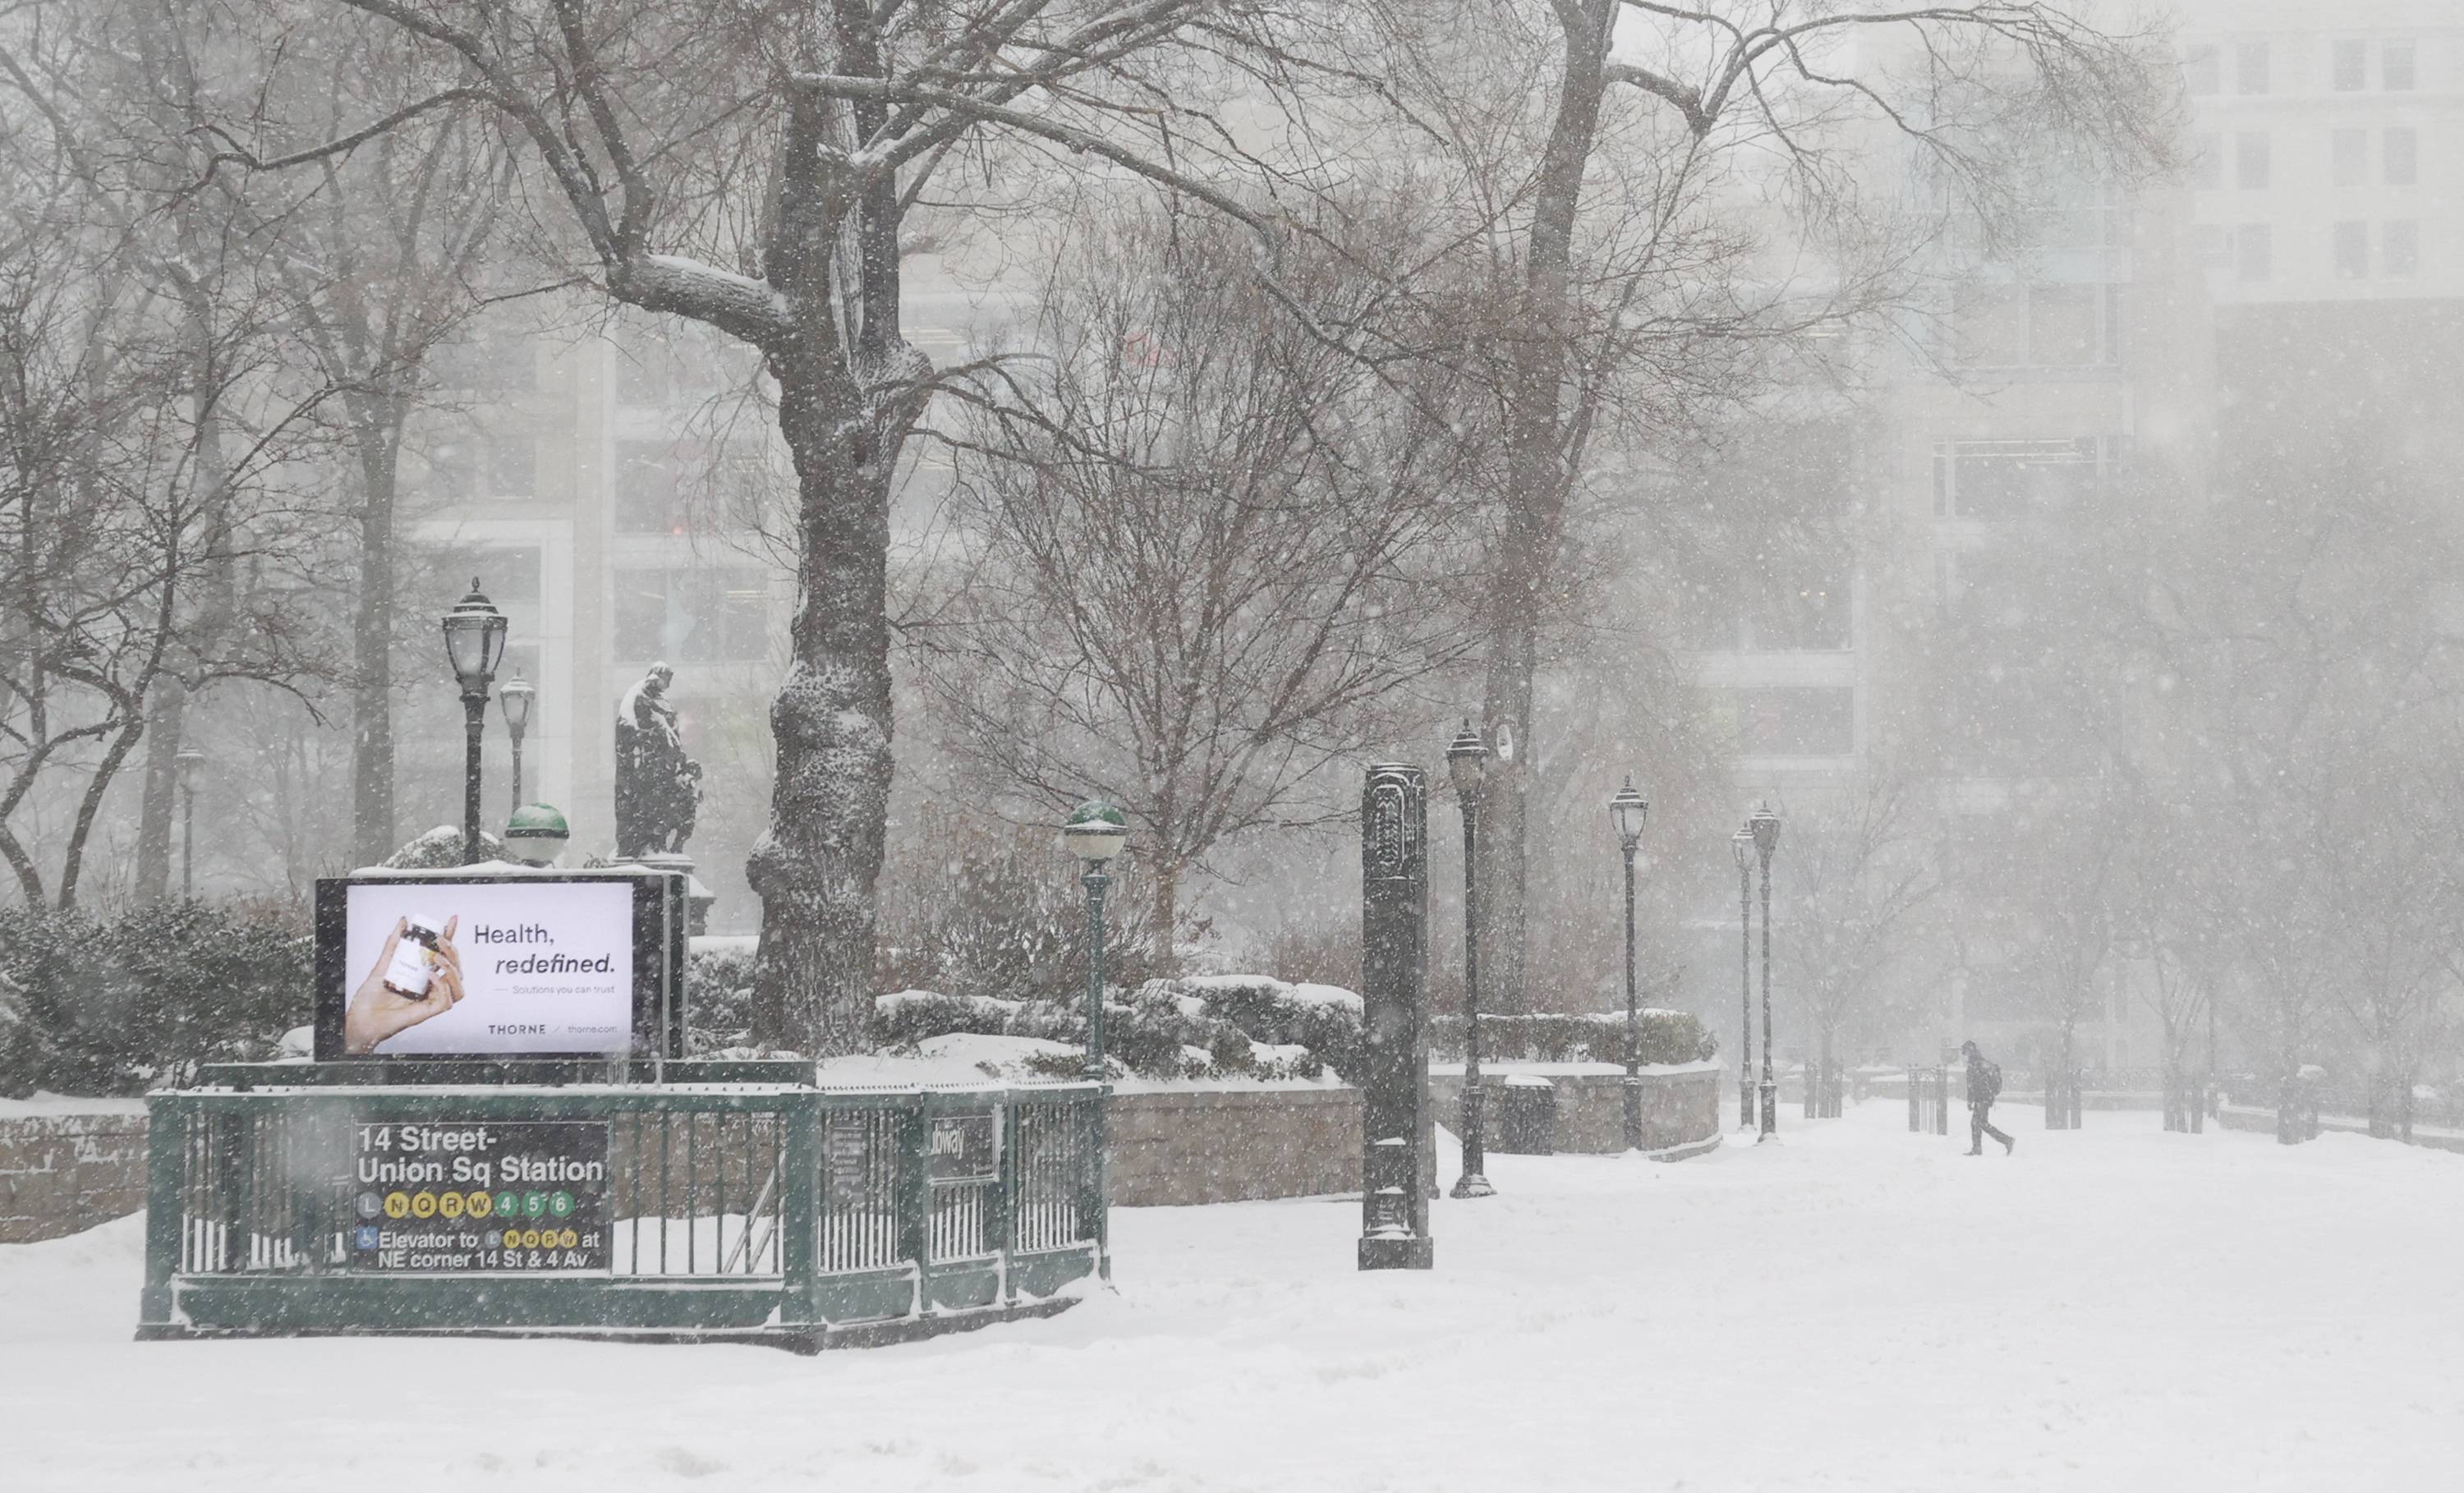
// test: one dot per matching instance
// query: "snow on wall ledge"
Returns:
(1681, 1102)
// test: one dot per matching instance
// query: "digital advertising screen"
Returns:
(491, 967)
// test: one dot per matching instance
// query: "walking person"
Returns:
(1984, 1085)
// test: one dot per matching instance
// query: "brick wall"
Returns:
(64, 1173)
(1224, 1145)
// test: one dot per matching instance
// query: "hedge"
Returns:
(1662, 1037)
(94, 1005)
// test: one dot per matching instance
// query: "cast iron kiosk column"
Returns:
(1742, 843)
(1394, 969)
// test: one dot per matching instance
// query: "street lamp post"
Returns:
(1764, 825)
(475, 642)
(1094, 833)
(514, 699)
(1468, 763)
(1742, 843)
(1627, 811)
(186, 762)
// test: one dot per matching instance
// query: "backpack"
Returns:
(1989, 1081)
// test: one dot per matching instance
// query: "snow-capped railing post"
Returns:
(1395, 1094)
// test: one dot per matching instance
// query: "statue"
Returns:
(658, 788)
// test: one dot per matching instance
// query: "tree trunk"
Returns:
(372, 809)
(2177, 1083)
(1505, 811)
(166, 727)
(816, 866)
(1538, 476)
(1824, 1108)
(1163, 919)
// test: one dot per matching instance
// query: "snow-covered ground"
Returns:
(1855, 1308)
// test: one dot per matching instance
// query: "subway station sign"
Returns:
(454, 1196)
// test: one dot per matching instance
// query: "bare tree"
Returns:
(1860, 878)
(795, 138)
(1621, 235)
(384, 258)
(1203, 551)
(2163, 921)
(154, 533)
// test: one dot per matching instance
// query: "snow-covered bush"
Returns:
(1323, 1019)
(112, 1005)
(440, 849)
(1594, 1037)
(972, 908)
(719, 996)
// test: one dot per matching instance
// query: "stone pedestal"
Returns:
(697, 897)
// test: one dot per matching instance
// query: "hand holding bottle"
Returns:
(378, 1011)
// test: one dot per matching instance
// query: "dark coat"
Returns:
(1983, 1080)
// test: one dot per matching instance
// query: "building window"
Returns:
(2201, 74)
(2401, 249)
(2253, 251)
(644, 375)
(508, 576)
(2207, 163)
(650, 491)
(692, 616)
(453, 470)
(2038, 326)
(2251, 161)
(2076, 212)
(487, 365)
(2395, 67)
(2352, 250)
(2061, 325)
(1801, 605)
(2348, 157)
(2351, 69)
(2209, 244)
(513, 467)
(2401, 156)
(2009, 479)
(2249, 67)
(1797, 721)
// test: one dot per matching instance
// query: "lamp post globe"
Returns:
(475, 643)
(1763, 827)
(516, 699)
(186, 762)
(1742, 843)
(1095, 831)
(475, 640)
(1627, 810)
(535, 834)
(1467, 767)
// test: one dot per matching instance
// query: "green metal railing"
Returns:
(766, 1210)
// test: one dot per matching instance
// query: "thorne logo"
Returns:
(515, 1029)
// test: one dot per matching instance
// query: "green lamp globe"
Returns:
(1095, 831)
(537, 834)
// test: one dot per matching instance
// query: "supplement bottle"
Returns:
(414, 958)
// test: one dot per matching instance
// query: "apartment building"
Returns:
(2038, 377)
(2329, 143)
